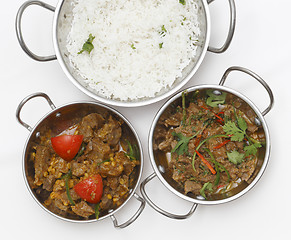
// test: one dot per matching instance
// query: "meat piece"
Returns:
(193, 109)
(106, 200)
(110, 132)
(48, 182)
(160, 132)
(78, 169)
(174, 120)
(115, 167)
(89, 123)
(60, 205)
(112, 182)
(247, 168)
(99, 150)
(61, 165)
(42, 158)
(191, 186)
(83, 209)
(59, 185)
(166, 145)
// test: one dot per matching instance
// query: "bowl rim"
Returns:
(220, 88)
(55, 111)
(128, 103)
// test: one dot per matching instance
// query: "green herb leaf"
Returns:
(206, 186)
(161, 45)
(132, 46)
(252, 149)
(182, 145)
(88, 46)
(242, 124)
(213, 100)
(164, 29)
(183, 2)
(235, 157)
(236, 133)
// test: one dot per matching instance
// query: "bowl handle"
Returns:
(257, 77)
(158, 209)
(133, 218)
(230, 30)
(19, 32)
(25, 100)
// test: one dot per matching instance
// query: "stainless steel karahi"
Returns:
(62, 21)
(60, 118)
(159, 167)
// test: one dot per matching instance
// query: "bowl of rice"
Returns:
(129, 53)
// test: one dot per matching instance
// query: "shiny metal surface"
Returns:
(19, 30)
(77, 80)
(256, 77)
(158, 169)
(159, 209)
(62, 116)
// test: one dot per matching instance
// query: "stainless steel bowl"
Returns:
(62, 22)
(57, 120)
(159, 167)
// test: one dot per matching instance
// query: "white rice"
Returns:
(133, 58)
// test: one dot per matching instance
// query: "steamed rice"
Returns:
(140, 46)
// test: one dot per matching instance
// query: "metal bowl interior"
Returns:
(62, 24)
(161, 168)
(58, 120)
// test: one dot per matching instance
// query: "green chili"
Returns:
(97, 212)
(67, 178)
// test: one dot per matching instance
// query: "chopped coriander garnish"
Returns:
(252, 149)
(161, 45)
(132, 46)
(182, 145)
(88, 45)
(183, 2)
(164, 29)
(235, 157)
(236, 133)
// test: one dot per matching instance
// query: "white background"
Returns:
(261, 43)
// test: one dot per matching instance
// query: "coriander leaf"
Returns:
(235, 157)
(214, 100)
(132, 46)
(183, 2)
(206, 186)
(242, 124)
(252, 149)
(182, 145)
(161, 45)
(236, 133)
(88, 46)
(164, 29)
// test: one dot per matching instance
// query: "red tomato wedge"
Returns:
(67, 146)
(90, 189)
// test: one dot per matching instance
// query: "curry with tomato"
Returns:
(86, 170)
